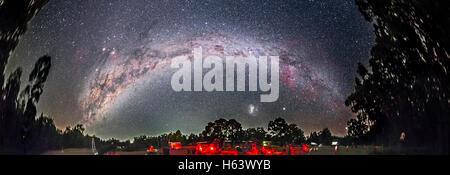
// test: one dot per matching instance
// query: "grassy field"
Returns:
(86, 151)
(360, 150)
(70, 151)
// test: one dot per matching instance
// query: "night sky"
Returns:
(111, 62)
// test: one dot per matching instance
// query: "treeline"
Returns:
(404, 94)
(403, 99)
(18, 125)
(24, 132)
(279, 132)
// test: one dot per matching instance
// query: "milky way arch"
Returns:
(117, 72)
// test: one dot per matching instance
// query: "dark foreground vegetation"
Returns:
(402, 99)
(406, 92)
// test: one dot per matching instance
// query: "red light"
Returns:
(229, 153)
(267, 151)
(305, 148)
(150, 149)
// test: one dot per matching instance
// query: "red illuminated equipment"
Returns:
(253, 150)
(298, 150)
(150, 149)
(267, 151)
(207, 149)
(228, 148)
(174, 145)
(229, 153)
(305, 148)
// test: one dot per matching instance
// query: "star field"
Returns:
(110, 62)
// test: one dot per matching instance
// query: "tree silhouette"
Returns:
(14, 17)
(21, 131)
(283, 133)
(30, 97)
(357, 128)
(18, 122)
(14, 124)
(74, 137)
(322, 137)
(177, 137)
(192, 139)
(313, 137)
(325, 136)
(223, 129)
(407, 87)
(255, 134)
